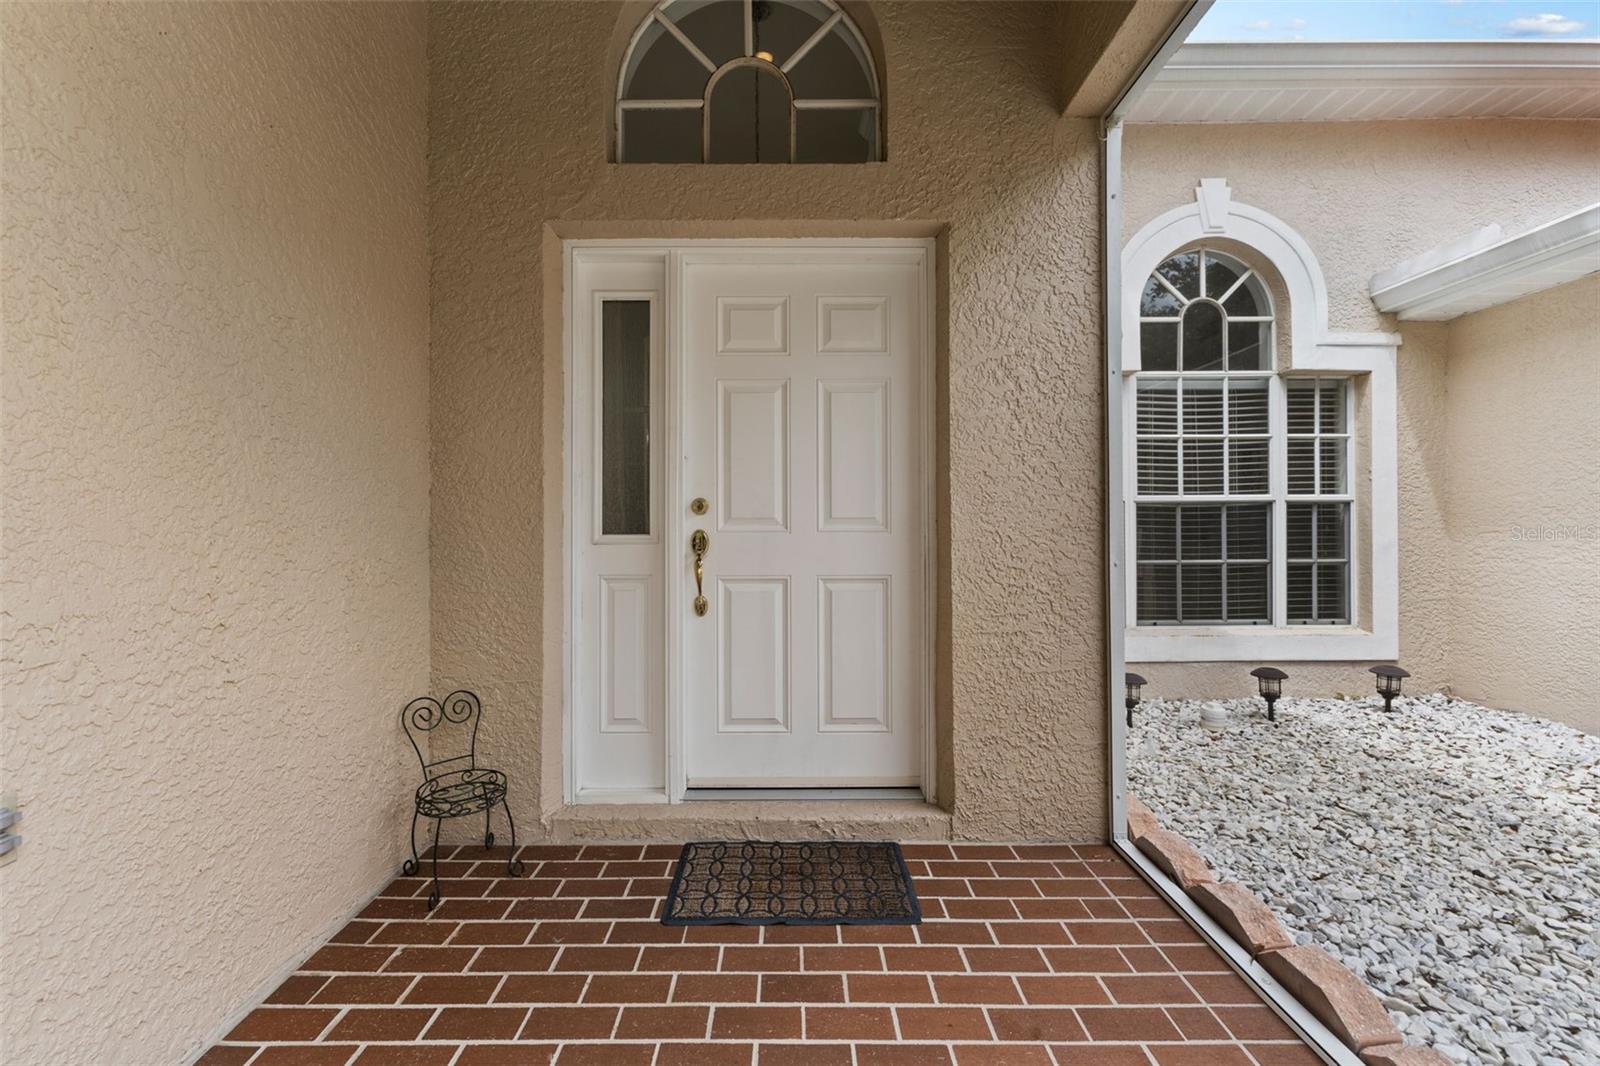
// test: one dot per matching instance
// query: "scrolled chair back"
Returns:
(449, 725)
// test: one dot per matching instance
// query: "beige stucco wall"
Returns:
(1522, 510)
(1104, 43)
(215, 502)
(1365, 196)
(519, 99)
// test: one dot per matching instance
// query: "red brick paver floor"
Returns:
(1028, 955)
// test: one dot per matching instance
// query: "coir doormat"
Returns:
(810, 882)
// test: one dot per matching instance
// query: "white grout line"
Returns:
(1109, 884)
(339, 1012)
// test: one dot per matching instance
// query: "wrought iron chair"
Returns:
(454, 786)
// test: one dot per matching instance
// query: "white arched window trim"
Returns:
(1313, 349)
(714, 73)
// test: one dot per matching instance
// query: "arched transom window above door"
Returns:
(748, 81)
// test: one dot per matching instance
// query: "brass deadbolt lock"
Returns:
(698, 505)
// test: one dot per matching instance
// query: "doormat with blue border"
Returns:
(808, 882)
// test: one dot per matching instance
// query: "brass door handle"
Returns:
(699, 543)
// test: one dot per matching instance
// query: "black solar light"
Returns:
(1134, 683)
(1269, 679)
(1390, 679)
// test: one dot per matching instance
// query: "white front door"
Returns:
(786, 386)
(802, 396)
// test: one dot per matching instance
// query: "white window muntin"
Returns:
(1340, 440)
(1278, 436)
(1278, 497)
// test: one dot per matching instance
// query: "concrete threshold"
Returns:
(766, 819)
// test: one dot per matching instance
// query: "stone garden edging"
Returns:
(1324, 986)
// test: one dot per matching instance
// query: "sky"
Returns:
(1400, 20)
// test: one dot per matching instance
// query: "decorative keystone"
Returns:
(1141, 819)
(1405, 1055)
(1213, 195)
(1336, 996)
(1176, 858)
(1247, 919)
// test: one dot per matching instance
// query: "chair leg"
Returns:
(433, 897)
(488, 834)
(514, 865)
(409, 867)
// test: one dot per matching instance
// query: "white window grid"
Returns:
(1225, 438)
(1225, 561)
(1278, 494)
(1230, 494)
(1343, 441)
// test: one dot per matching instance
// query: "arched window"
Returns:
(1242, 503)
(748, 81)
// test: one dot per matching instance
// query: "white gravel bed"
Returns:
(1449, 854)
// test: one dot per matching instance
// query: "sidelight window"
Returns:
(625, 417)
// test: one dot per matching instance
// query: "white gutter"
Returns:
(1333, 81)
(1240, 63)
(1484, 270)
(1302, 1021)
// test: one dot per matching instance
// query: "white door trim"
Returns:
(673, 254)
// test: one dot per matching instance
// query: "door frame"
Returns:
(674, 254)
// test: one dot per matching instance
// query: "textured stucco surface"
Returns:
(518, 119)
(1523, 506)
(1104, 43)
(215, 502)
(1365, 196)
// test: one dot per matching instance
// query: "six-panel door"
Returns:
(801, 428)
